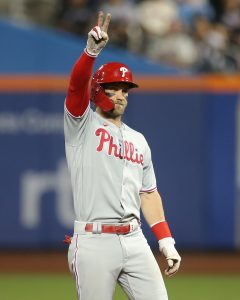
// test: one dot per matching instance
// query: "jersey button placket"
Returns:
(123, 136)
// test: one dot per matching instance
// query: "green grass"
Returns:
(38, 286)
(204, 287)
(61, 287)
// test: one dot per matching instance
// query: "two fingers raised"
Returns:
(99, 32)
(103, 23)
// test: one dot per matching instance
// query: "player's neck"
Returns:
(115, 120)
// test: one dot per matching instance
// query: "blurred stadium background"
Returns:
(186, 61)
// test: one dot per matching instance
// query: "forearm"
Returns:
(78, 94)
(152, 208)
(153, 212)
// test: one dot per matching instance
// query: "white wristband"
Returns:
(166, 242)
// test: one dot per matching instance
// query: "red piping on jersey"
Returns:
(78, 94)
(148, 191)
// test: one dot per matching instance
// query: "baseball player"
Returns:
(112, 179)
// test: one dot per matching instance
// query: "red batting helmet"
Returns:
(109, 73)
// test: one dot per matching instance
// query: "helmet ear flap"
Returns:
(99, 97)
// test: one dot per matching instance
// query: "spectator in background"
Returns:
(176, 48)
(42, 12)
(156, 19)
(235, 46)
(212, 42)
(165, 37)
(189, 8)
(75, 16)
(157, 16)
(123, 21)
(227, 12)
(231, 13)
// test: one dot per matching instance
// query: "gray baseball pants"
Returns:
(99, 260)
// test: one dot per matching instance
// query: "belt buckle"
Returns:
(134, 225)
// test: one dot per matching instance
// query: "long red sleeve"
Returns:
(78, 94)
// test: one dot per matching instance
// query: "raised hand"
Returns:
(98, 37)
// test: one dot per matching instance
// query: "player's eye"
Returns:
(109, 94)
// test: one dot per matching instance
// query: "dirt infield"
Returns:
(56, 261)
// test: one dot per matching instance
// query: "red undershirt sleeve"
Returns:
(78, 94)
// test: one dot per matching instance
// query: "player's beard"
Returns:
(118, 111)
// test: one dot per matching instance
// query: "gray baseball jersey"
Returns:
(109, 167)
